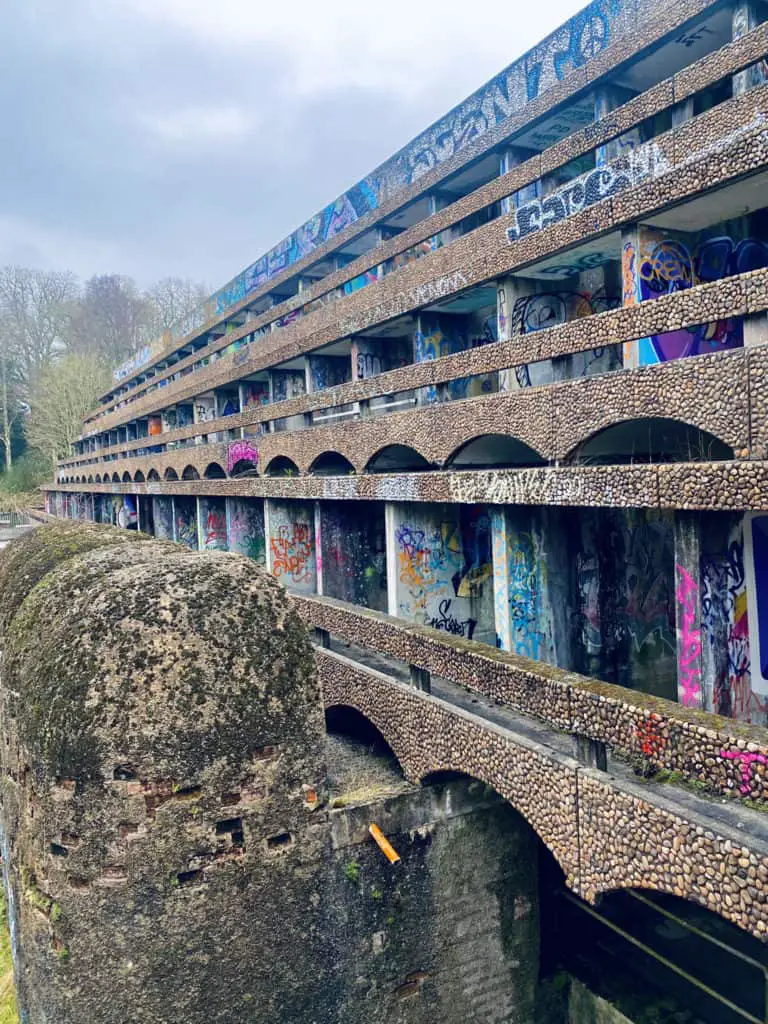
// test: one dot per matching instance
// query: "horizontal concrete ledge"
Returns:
(727, 486)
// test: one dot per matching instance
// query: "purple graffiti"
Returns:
(241, 451)
(689, 672)
(746, 760)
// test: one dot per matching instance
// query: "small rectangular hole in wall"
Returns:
(232, 827)
(189, 877)
(127, 828)
(280, 842)
(188, 793)
(123, 773)
(59, 851)
(230, 798)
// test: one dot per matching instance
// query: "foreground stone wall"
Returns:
(167, 853)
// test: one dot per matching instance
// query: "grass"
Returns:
(8, 1011)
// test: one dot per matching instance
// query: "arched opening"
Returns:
(361, 764)
(243, 468)
(331, 464)
(190, 473)
(652, 440)
(281, 465)
(126, 477)
(90, 479)
(98, 478)
(215, 472)
(115, 478)
(138, 477)
(153, 475)
(658, 957)
(397, 458)
(171, 474)
(494, 451)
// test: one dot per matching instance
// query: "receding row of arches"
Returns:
(640, 441)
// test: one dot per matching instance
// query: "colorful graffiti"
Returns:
(292, 553)
(667, 265)
(246, 529)
(527, 581)
(724, 617)
(214, 525)
(162, 513)
(445, 337)
(241, 451)
(689, 639)
(746, 761)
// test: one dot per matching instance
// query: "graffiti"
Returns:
(532, 313)
(361, 281)
(666, 265)
(629, 169)
(246, 530)
(163, 517)
(368, 365)
(689, 39)
(130, 366)
(205, 410)
(241, 451)
(287, 384)
(215, 528)
(724, 619)
(446, 621)
(432, 343)
(689, 651)
(648, 737)
(746, 761)
(527, 573)
(292, 552)
(328, 371)
(437, 289)
(255, 393)
(588, 585)
(186, 525)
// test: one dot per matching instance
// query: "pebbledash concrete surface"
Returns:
(497, 419)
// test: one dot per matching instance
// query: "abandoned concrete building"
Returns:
(497, 418)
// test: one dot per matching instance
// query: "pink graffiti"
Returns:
(747, 760)
(241, 451)
(689, 671)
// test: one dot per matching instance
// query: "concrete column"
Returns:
(682, 112)
(318, 547)
(508, 291)
(501, 579)
(393, 567)
(173, 520)
(690, 687)
(630, 254)
(744, 20)
(755, 330)
(607, 98)
(267, 535)
(199, 518)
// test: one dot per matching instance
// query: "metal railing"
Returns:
(10, 520)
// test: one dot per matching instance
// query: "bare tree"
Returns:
(111, 320)
(36, 308)
(10, 403)
(171, 299)
(63, 393)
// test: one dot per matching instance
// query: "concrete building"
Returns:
(510, 387)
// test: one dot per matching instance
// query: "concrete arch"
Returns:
(331, 463)
(281, 465)
(243, 468)
(138, 477)
(98, 478)
(126, 477)
(493, 451)
(115, 478)
(190, 473)
(90, 480)
(213, 471)
(648, 439)
(153, 475)
(397, 458)
(170, 474)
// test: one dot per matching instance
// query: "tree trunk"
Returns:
(5, 413)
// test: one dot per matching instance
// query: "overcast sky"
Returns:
(186, 137)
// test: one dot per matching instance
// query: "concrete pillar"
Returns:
(508, 291)
(510, 158)
(755, 330)
(630, 254)
(690, 687)
(393, 566)
(501, 579)
(318, 546)
(682, 112)
(607, 98)
(744, 19)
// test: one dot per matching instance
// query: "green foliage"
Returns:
(28, 472)
(352, 871)
(8, 1011)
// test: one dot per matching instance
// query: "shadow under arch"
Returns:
(348, 721)
(171, 474)
(126, 477)
(331, 464)
(649, 440)
(90, 480)
(190, 473)
(281, 465)
(138, 477)
(153, 475)
(214, 472)
(659, 956)
(397, 458)
(243, 468)
(115, 478)
(494, 451)
(98, 478)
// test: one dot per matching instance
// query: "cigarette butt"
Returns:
(384, 844)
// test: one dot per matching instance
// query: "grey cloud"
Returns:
(83, 174)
